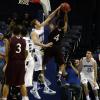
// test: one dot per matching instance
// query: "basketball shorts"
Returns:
(37, 60)
(89, 77)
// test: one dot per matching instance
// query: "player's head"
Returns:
(1, 36)
(35, 23)
(17, 30)
(88, 54)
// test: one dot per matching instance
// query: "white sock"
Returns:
(60, 72)
(97, 98)
(4, 98)
(25, 98)
(35, 85)
(87, 97)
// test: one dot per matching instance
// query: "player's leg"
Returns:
(96, 94)
(59, 57)
(37, 71)
(95, 88)
(62, 69)
(5, 92)
(46, 90)
(20, 74)
(24, 92)
(85, 85)
(34, 90)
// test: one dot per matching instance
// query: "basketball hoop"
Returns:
(24, 2)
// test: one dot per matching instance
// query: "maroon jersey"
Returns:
(17, 48)
(15, 71)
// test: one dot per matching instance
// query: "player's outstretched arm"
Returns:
(50, 17)
(65, 22)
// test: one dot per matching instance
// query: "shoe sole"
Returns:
(49, 93)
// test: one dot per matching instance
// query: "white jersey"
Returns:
(87, 74)
(40, 34)
(88, 66)
(29, 47)
(37, 54)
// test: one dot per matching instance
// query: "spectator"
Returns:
(73, 81)
(3, 47)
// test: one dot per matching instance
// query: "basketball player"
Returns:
(15, 64)
(3, 47)
(89, 74)
(56, 35)
(37, 36)
(29, 62)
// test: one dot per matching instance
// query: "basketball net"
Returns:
(46, 6)
(24, 2)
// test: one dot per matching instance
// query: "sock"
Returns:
(60, 72)
(97, 98)
(25, 98)
(87, 97)
(35, 85)
(4, 98)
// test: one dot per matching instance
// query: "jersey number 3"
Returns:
(18, 50)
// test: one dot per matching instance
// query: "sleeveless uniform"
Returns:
(38, 53)
(55, 37)
(87, 73)
(2, 60)
(29, 62)
(15, 71)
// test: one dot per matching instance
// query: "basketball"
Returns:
(65, 7)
